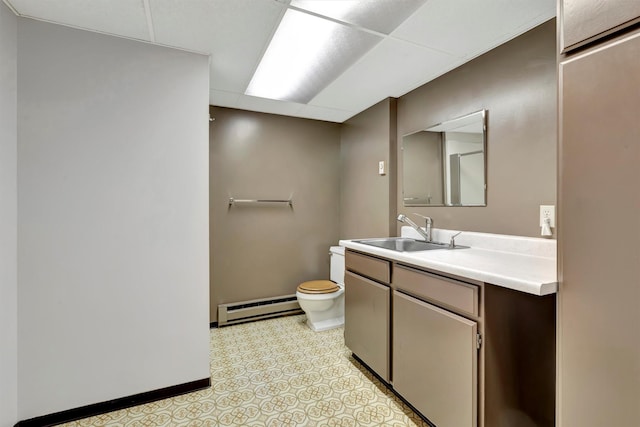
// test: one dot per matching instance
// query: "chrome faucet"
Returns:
(428, 225)
(425, 234)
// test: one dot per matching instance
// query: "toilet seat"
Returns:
(318, 287)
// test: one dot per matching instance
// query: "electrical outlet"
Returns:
(381, 170)
(548, 211)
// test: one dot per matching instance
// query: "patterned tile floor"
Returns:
(275, 373)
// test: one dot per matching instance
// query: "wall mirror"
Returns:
(445, 164)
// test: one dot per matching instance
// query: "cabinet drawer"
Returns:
(457, 295)
(374, 268)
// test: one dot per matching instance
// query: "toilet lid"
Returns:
(318, 287)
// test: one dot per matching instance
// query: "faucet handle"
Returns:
(452, 242)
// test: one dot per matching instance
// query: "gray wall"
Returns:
(367, 207)
(8, 219)
(517, 84)
(112, 218)
(260, 251)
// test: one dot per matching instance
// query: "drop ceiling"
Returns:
(423, 40)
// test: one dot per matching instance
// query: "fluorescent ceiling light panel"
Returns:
(307, 53)
(382, 16)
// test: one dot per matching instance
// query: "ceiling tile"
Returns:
(467, 28)
(125, 18)
(222, 98)
(234, 32)
(326, 114)
(392, 68)
(264, 105)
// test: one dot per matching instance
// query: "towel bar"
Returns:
(233, 201)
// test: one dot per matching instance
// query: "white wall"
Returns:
(8, 220)
(112, 218)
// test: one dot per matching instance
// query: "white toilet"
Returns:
(323, 300)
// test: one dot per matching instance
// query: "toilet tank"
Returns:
(337, 264)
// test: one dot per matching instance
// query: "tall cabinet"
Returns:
(599, 214)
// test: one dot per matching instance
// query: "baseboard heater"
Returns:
(257, 309)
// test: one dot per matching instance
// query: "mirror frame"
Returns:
(435, 128)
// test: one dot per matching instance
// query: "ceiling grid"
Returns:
(414, 41)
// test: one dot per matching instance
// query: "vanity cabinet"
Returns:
(583, 21)
(435, 361)
(463, 353)
(367, 311)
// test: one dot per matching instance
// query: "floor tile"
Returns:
(275, 373)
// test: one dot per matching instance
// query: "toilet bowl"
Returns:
(323, 300)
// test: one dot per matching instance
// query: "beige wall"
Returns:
(366, 198)
(332, 170)
(260, 251)
(516, 83)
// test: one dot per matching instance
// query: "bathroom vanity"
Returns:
(466, 337)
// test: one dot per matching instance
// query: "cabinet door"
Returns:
(586, 20)
(366, 321)
(435, 361)
(599, 240)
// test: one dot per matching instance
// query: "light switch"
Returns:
(381, 170)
